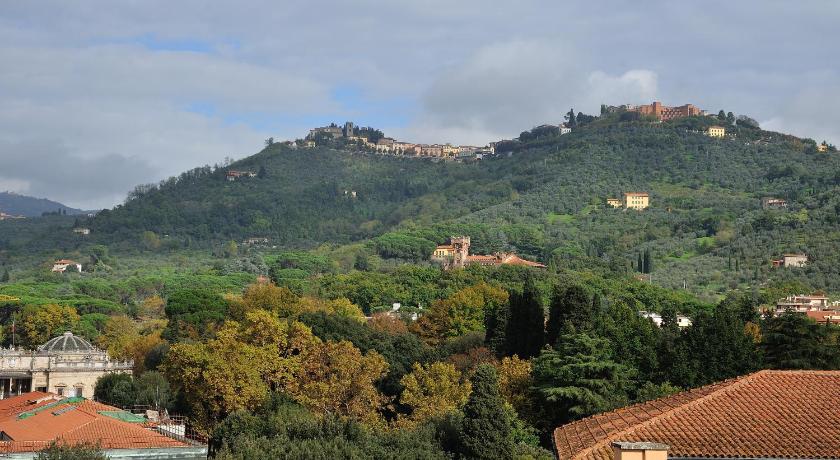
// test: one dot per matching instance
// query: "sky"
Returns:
(101, 95)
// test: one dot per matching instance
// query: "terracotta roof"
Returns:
(636, 194)
(64, 261)
(768, 414)
(513, 259)
(32, 426)
(832, 316)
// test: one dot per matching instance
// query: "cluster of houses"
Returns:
(815, 306)
(456, 254)
(389, 145)
(631, 200)
(232, 175)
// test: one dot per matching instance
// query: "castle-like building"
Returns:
(456, 254)
(67, 365)
(664, 112)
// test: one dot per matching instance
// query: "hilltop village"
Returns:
(373, 140)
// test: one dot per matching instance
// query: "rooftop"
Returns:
(767, 414)
(29, 422)
(67, 343)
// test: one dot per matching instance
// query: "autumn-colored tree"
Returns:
(270, 297)
(433, 390)
(39, 323)
(383, 322)
(337, 378)
(461, 313)
(152, 307)
(467, 361)
(237, 368)
(140, 347)
(515, 383)
(119, 332)
(344, 307)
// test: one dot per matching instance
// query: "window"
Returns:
(59, 391)
(78, 392)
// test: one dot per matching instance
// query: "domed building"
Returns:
(67, 365)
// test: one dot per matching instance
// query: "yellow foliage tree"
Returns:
(237, 369)
(433, 390)
(338, 379)
(118, 333)
(459, 314)
(152, 307)
(39, 323)
(515, 382)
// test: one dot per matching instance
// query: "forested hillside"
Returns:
(22, 205)
(544, 198)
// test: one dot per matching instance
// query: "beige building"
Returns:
(636, 200)
(716, 131)
(791, 260)
(614, 202)
(67, 365)
(60, 266)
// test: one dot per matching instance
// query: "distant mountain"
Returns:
(22, 205)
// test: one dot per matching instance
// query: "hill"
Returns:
(27, 206)
(545, 198)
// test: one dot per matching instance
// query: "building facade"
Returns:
(716, 131)
(67, 365)
(636, 200)
(664, 112)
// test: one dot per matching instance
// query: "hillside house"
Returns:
(682, 321)
(773, 203)
(564, 129)
(791, 261)
(4, 216)
(636, 200)
(614, 202)
(255, 241)
(81, 231)
(802, 303)
(716, 131)
(233, 175)
(822, 148)
(61, 266)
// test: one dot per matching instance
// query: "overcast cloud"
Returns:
(99, 96)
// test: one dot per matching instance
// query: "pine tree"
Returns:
(525, 332)
(486, 429)
(571, 119)
(792, 341)
(730, 118)
(722, 115)
(262, 172)
(571, 305)
(579, 378)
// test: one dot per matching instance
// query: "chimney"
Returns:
(639, 451)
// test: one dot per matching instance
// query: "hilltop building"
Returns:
(791, 260)
(81, 231)
(665, 113)
(456, 254)
(564, 129)
(636, 200)
(334, 131)
(769, 202)
(716, 131)
(822, 148)
(60, 266)
(765, 415)
(67, 365)
(33, 421)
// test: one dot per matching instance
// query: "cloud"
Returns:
(508, 87)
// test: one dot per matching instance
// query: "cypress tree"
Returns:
(486, 429)
(648, 262)
(640, 265)
(570, 305)
(525, 332)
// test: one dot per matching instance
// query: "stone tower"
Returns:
(461, 244)
(348, 129)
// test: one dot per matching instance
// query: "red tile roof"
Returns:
(768, 414)
(70, 422)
